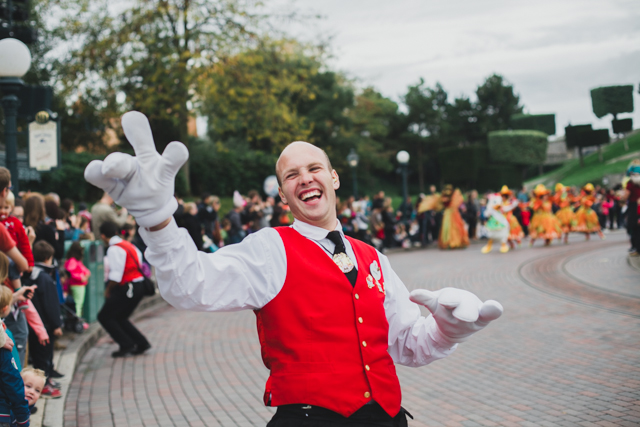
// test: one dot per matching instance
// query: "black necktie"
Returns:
(334, 236)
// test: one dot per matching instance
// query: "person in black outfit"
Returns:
(124, 291)
(186, 217)
(207, 214)
(51, 232)
(45, 300)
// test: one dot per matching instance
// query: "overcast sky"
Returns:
(552, 51)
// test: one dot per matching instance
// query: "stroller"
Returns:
(71, 321)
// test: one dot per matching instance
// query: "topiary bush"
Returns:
(541, 122)
(519, 147)
(612, 100)
(460, 166)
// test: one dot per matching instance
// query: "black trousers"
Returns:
(632, 225)
(114, 315)
(367, 416)
(41, 355)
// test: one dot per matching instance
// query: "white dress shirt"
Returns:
(249, 274)
(117, 259)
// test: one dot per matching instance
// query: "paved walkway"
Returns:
(565, 353)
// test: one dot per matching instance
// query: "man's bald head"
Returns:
(291, 149)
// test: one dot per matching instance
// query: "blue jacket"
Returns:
(12, 400)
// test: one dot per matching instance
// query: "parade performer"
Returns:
(333, 317)
(567, 218)
(544, 224)
(586, 218)
(508, 205)
(632, 194)
(453, 234)
(497, 224)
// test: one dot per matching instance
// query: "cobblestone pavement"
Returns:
(565, 353)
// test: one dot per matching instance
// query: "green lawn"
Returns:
(615, 160)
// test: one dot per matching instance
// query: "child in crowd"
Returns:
(46, 301)
(13, 404)
(14, 226)
(78, 275)
(34, 381)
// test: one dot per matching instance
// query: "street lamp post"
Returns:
(15, 60)
(403, 160)
(353, 159)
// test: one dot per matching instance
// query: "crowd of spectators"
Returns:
(374, 220)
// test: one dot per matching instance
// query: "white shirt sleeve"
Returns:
(117, 259)
(414, 340)
(246, 275)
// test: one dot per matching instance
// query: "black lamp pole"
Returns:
(10, 103)
(353, 159)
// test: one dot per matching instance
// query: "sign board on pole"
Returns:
(43, 145)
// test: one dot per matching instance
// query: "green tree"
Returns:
(255, 95)
(427, 120)
(148, 56)
(496, 103)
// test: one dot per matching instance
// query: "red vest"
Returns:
(325, 341)
(131, 270)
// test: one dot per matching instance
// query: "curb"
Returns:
(634, 262)
(51, 411)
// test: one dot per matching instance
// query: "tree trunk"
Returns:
(184, 138)
(581, 158)
(600, 158)
(420, 169)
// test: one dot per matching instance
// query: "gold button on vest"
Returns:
(367, 367)
(364, 343)
(360, 319)
(367, 394)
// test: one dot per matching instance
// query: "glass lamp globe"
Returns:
(15, 58)
(402, 157)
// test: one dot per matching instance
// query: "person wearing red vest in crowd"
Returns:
(333, 317)
(123, 294)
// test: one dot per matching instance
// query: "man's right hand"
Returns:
(143, 184)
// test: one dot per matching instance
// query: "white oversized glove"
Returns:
(458, 313)
(143, 184)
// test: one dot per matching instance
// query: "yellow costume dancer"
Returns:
(587, 218)
(453, 235)
(565, 214)
(508, 205)
(544, 224)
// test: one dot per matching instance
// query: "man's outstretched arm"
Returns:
(241, 276)
(415, 340)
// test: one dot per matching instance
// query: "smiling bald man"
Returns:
(332, 316)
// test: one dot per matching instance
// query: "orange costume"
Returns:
(587, 218)
(508, 205)
(544, 224)
(453, 234)
(565, 214)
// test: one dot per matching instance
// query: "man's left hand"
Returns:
(458, 313)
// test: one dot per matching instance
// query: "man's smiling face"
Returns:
(308, 184)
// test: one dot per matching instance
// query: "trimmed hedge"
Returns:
(612, 100)
(460, 166)
(493, 177)
(541, 122)
(573, 135)
(584, 136)
(519, 147)
(622, 125)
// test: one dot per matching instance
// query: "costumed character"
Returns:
(632, 194)
(508, 205)
(565, 214)
(586, 218)
(544, 224)
(307, 284)
(453, 234)
(497, 224)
